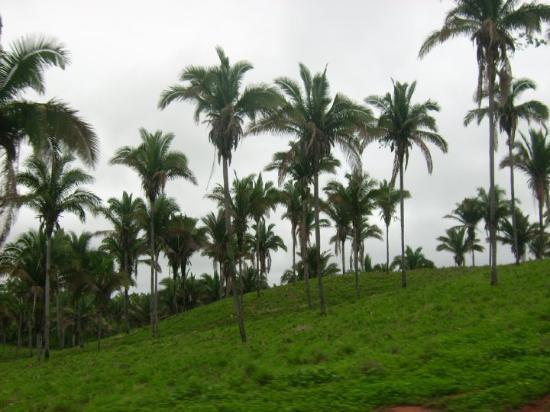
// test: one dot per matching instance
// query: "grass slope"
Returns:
(450, 341)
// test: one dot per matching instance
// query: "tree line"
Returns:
(237, 236)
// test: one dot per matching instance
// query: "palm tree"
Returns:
(414, 259)
(52, 193)
(265, 241)
(468, 213)
(491, 25)
(297, 163)
(404, 124)
(21, 69)
(509, 113)
(290, 198)
(518, 240)
(357, 198)
(155, 164)
(217, 93)
(214, 245)
(319, 122)
(339, 214)
(367, 231)
(124, 240)
(532, 157)
(386, 199)
(458, 243)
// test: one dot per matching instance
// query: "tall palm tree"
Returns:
(124, 240)
(386, 199)
(298, 164)
(22, 69)
(357, 198)
(264, 198)
(532, 157)
(156, 164)
(518, 239)
(219, 98)
(53, 192)
(404, 124)
(458, 243)
(468, 213)
(319, 122)
(509, 112)
(492, 26)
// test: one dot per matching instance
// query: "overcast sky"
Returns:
(124, 53)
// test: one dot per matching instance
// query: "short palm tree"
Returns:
(414, 259)
(339, 215)
(53, 192)
(468, 213)
(386, 199)
(458, 243)
(492, 26)
(509, 112)
(404, 124)
(501, 210)
(156, 164)
(21, 69)
(219, 98)
(214, 245)
(265, 241)
(519, 238)
(124, 241)
(367, 231)
(290, 198)
(319, 122)
(532, 157)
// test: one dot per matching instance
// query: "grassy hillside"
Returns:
(450, 341)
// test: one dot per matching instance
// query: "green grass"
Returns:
(450, 341)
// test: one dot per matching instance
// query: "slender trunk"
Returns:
(513, 195)
(402, 218)
(156, 295)
(126, 295)
(46, 350)
(304, 253)
(230, 261)
(79, 324)
(98, 332)
(387, 248)
(32, 322)
(322, 305)
(175, 279)
(19, 329)
(492, 193)
(356, 258)
(184, 284)
(541, 226)
(344, 257)
(258, 273)
(153, 308)
(221, 277)
(59, 321)
(294, 253)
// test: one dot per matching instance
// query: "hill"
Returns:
(450, 341)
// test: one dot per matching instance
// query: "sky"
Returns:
(124, 53)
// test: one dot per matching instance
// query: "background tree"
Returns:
(468, 213)
(403, 124)
(458, 243)
(491, 25)
(520, 238)
(265, 241)
(414, 259)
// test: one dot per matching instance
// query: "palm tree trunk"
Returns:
(304, 253)
(126, 296)
(98, 318)
(402, 218)
(230, 262)
(175, 279)
(153, 302)
(19, 329)
(513, 195)
(344, 257)
(46, 349)
(492, 192)
(184, 284)
(541, 226)
(294, 252)
(387, 248)
(258, 273)
(322, 305)
(356, 259)
(59, 326)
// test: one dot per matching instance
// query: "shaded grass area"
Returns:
(450, 341)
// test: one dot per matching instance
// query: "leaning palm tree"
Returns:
(22, 69)
(520, 237)
(219, 98)
(53, 192)
(386, 199)
(509, 113)
(319, 122)
(458, 243)
(404, 124)
(492, 26)
(124, 240)
(155, 164)
(468, 213)
(532, 157)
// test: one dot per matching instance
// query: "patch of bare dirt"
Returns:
(542, 405)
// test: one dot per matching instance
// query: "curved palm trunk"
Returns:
(230, 263)
(294, 252)
(344, 257)
(356, 259)
(46, 349)
(492, 193)
(303, 251)
(322, 305)
(513, 195)
(402, 217)
(387, 248)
